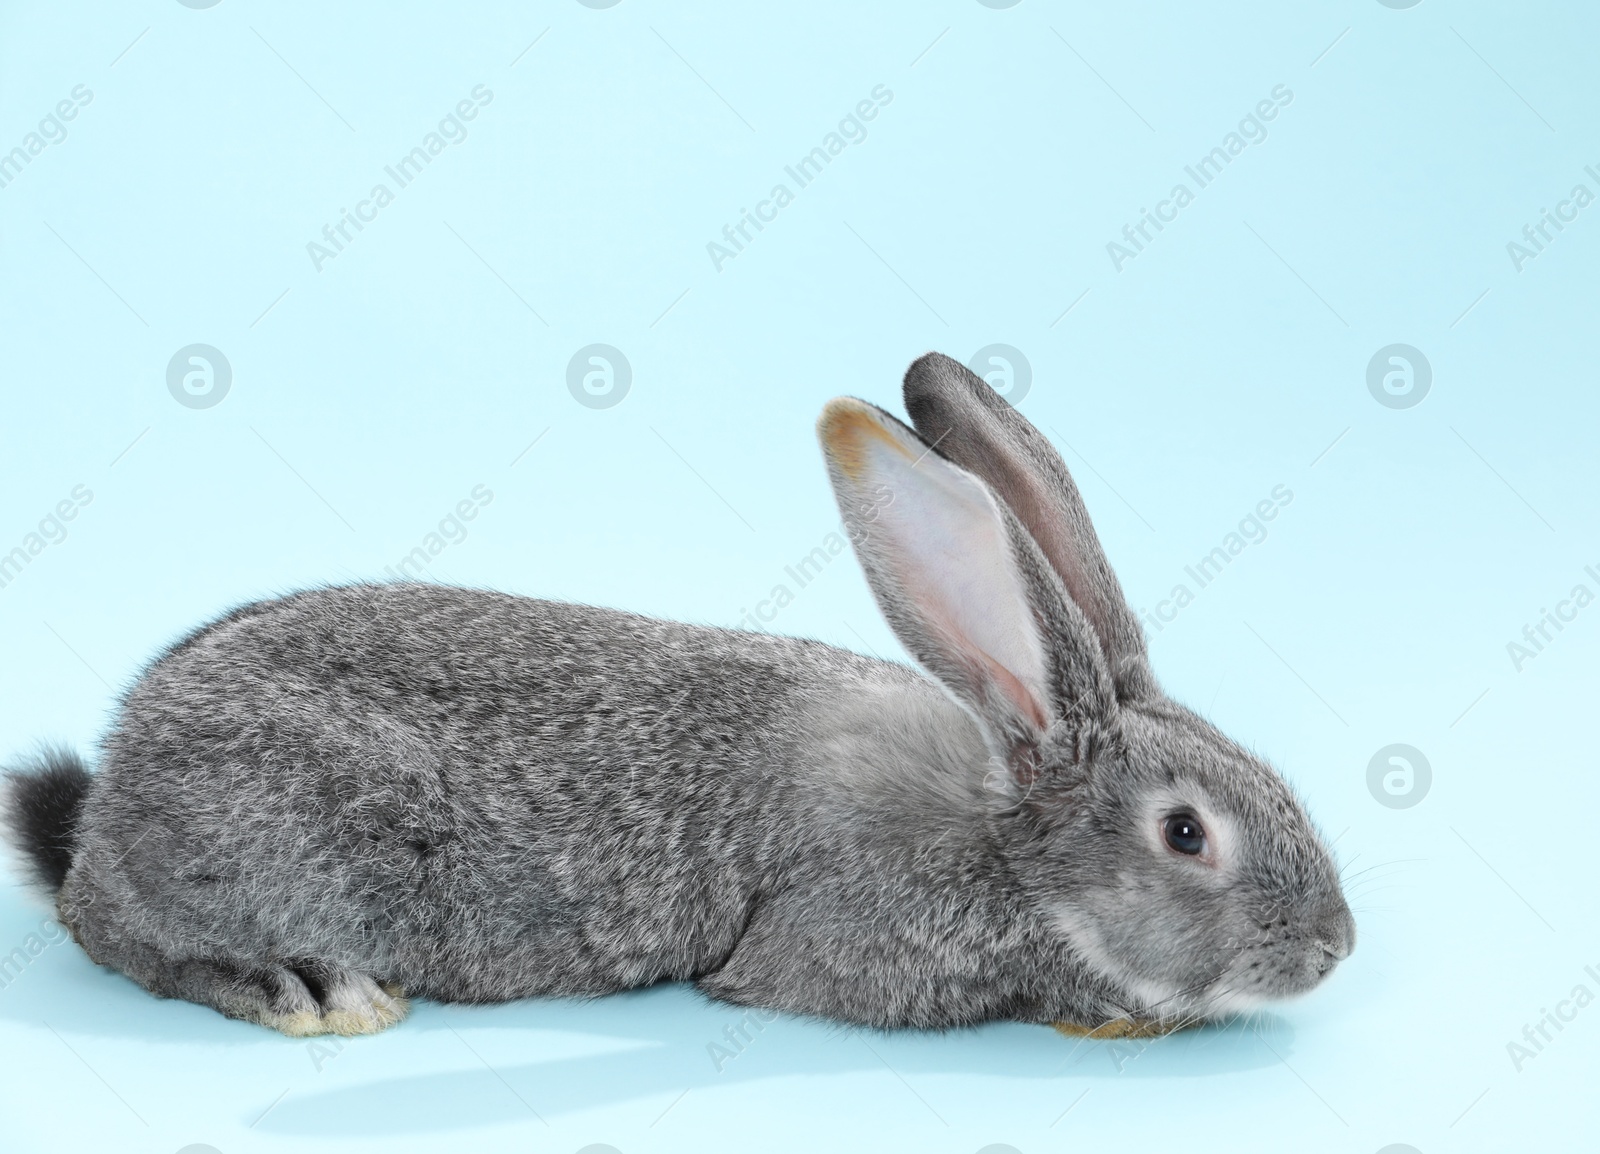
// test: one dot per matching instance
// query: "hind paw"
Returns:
(343, 1001)
(302, 999)
(356, 1004)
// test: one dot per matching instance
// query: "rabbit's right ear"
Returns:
(962, 584)
(974, 426)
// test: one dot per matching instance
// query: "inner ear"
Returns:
(1023, 698)
(942, 558)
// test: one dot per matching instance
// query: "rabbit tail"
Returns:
(39, 807)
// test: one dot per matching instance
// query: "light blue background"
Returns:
(1226, 359)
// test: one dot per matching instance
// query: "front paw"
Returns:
(1119, 1028)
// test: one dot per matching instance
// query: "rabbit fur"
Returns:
(322, 804)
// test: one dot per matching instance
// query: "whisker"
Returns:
(1379, 865)
(1370, 891)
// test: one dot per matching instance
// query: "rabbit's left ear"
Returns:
(961, 583)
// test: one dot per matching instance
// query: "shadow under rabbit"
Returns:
(673, 1030)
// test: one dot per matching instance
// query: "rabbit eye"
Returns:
(1184, 834)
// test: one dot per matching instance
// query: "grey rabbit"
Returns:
(319, 805)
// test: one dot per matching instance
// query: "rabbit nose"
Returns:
(1338, 935)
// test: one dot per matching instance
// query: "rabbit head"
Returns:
(1179, 867)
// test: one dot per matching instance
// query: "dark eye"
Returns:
(1184, 834)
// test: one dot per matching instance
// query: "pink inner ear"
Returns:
(1026, 703)
(946, 549)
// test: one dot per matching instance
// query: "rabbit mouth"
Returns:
(1285, 970)
(1240, 991)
